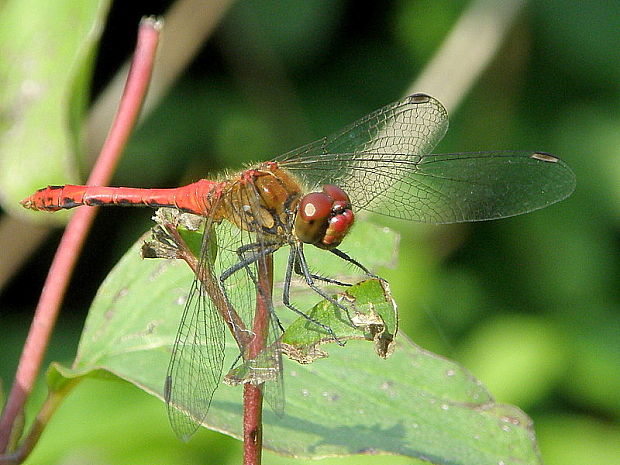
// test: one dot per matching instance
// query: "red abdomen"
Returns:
(193, 198)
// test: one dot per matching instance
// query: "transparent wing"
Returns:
(196, 364)
(382, 161)
(273, 389)
(374, 152)
(265, 366)
(448, 188)
(413, 125)
(227, 287)
(195, 368)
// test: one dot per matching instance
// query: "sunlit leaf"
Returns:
(372, 317)
(414, 403)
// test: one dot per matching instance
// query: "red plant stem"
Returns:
(75, 233)
(253, 394)
(252, 424)
(262, 316)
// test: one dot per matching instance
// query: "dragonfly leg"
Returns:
(310, 282)
(298, 270)
(287, 301)
(239, 355)
(255, 248)
(258, 246)
(245, 262)
(346, 257)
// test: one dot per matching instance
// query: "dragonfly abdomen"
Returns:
(193, 198)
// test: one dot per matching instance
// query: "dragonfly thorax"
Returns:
(324, 218)
(268, 200)
(263, 201)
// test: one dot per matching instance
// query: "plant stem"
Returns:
(75, 233)
(252, 424)
(53, 400)
(253, 394)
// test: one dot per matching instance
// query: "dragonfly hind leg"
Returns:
(259, 249)
(287, 302)
(296, 257)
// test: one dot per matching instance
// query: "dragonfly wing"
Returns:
(264, 370)
(449, 188)
(353, 158)
(413, 125)
(270, 360)
(252, 251)
(196, 363)
(383, 162)
(267, 365)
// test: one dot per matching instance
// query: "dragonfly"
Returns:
(381, 163)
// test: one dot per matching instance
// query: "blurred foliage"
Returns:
(531, 305)
(45, 75)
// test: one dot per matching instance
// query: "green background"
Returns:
(530, 305)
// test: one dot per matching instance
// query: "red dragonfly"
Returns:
(380, 163)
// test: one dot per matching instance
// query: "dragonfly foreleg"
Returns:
(246, 261)
(298, 270)
(346, 257)
(258, 246)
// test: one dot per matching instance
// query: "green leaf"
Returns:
(47, 56)
(415, 403)
(374, 319)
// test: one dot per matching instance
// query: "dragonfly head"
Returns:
(324, 218)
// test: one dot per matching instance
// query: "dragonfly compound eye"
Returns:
(336, 193)
(324, 218)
